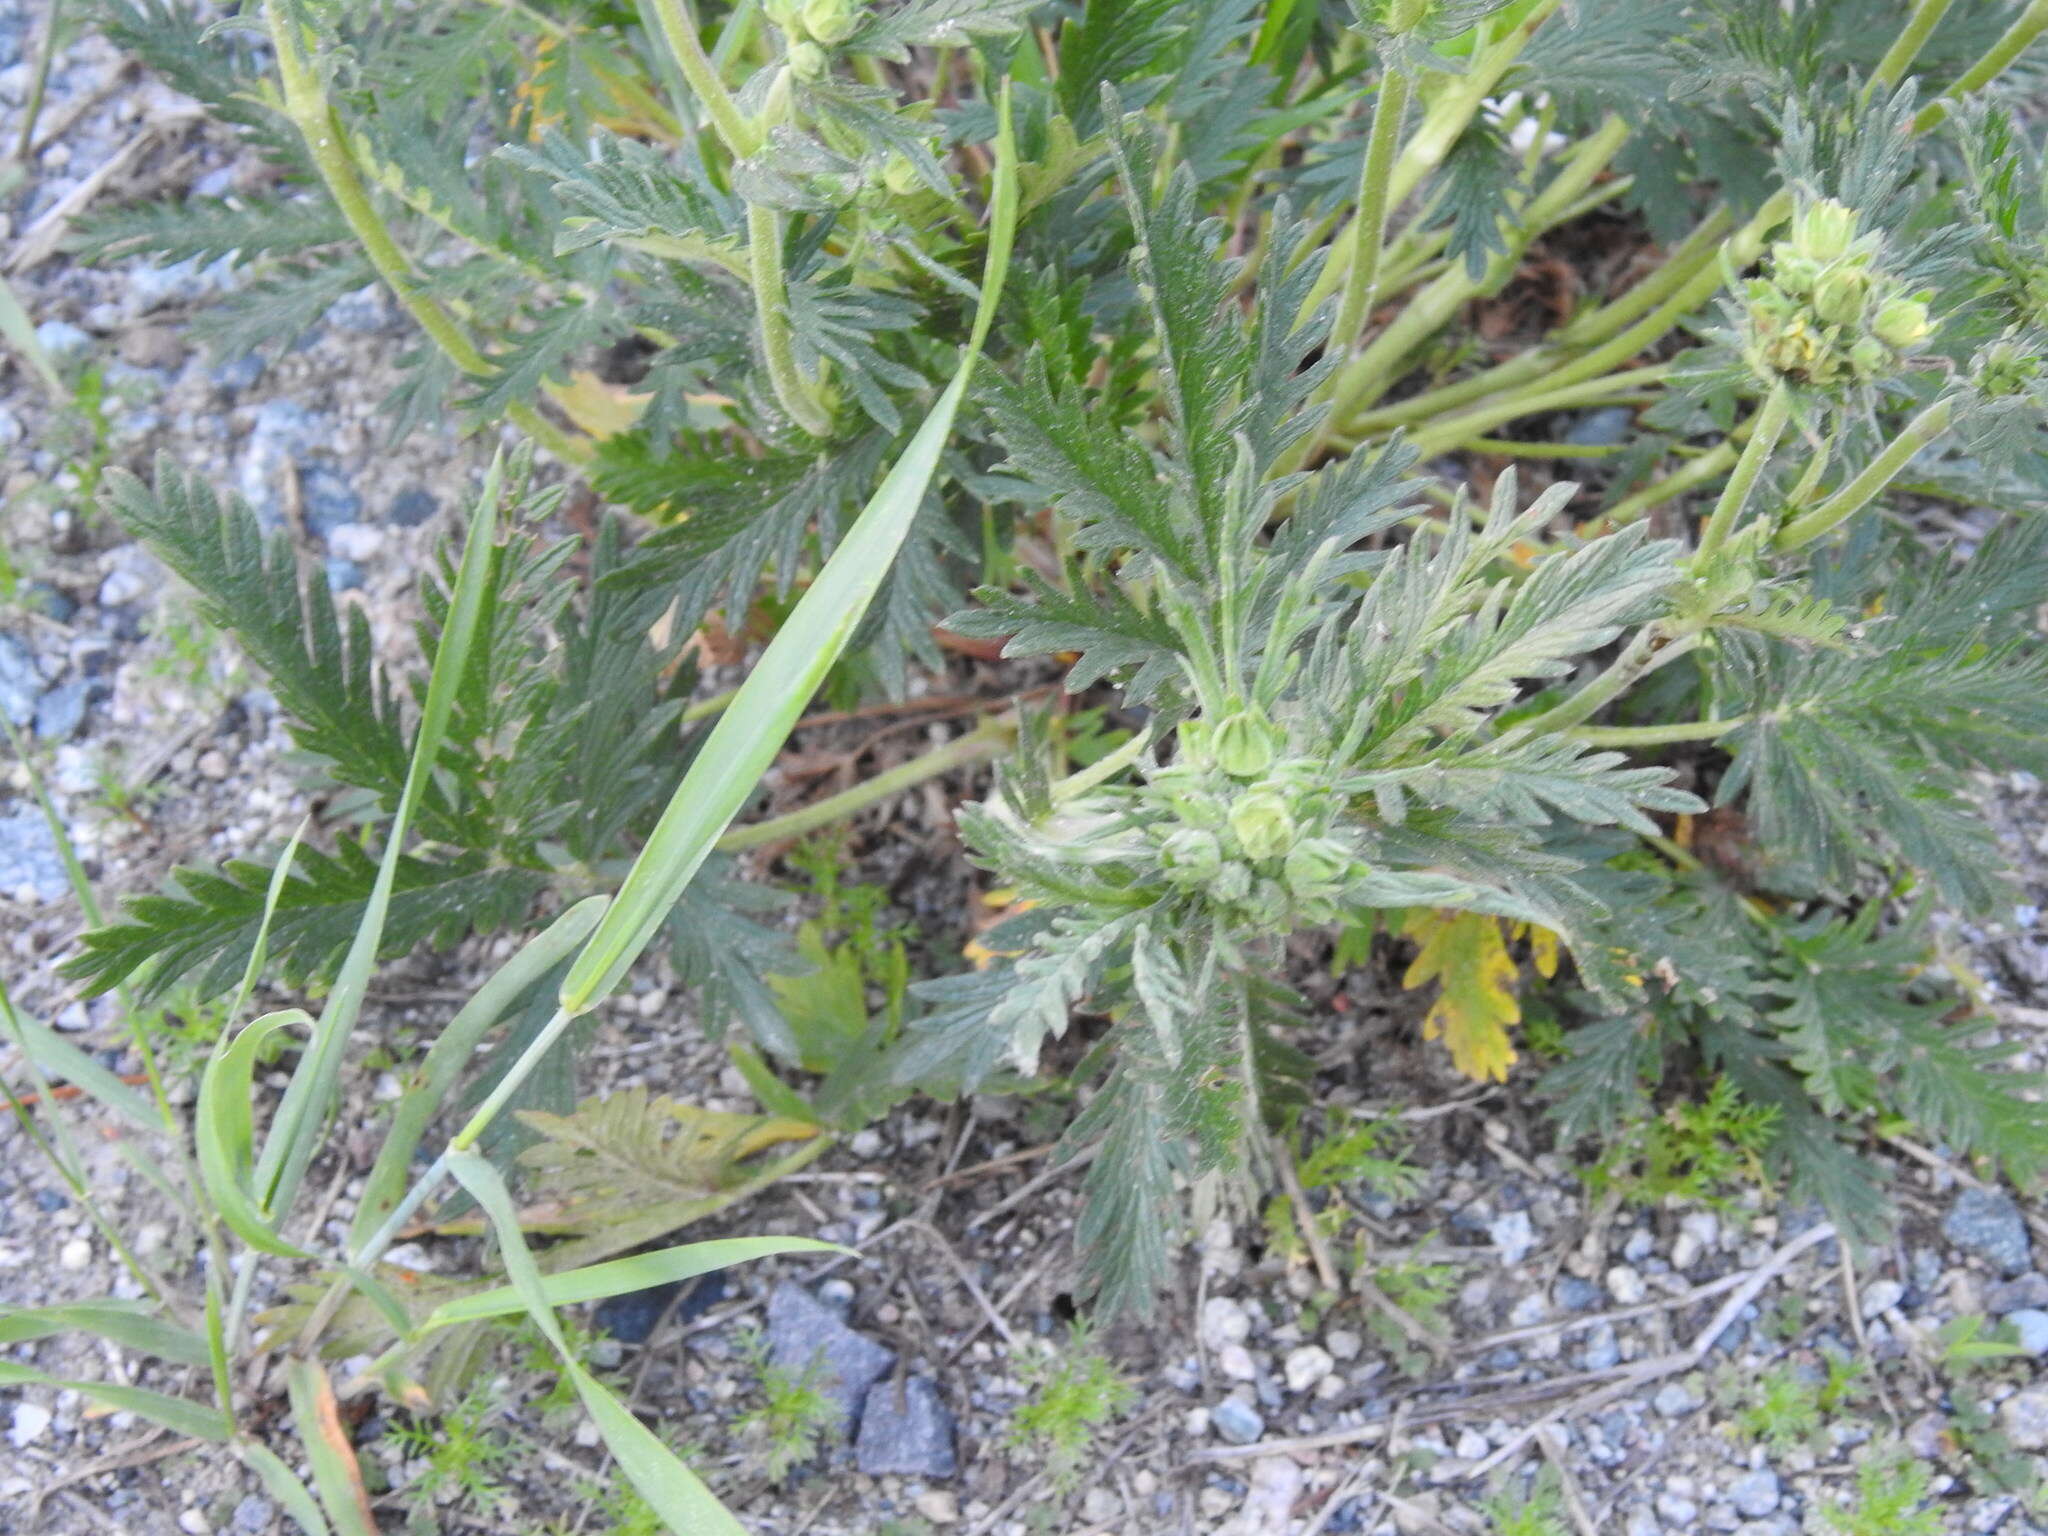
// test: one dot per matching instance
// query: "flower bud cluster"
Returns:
(812, 27)
(1825, 314)
(1238, 821)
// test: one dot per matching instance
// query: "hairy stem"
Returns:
(306, 104)
(1905, 48)
(1654, 646)
(1369, 239)
(740, 137)
(1656, 735)
(1766, 428)
(976, 746)
(771, 299)
(2030, 24)
(1867, 486)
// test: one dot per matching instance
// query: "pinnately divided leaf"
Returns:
(1465, 953)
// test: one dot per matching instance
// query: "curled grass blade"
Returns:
(752, 729)
(224, 1131)
(671, 1489)
(295, 1133)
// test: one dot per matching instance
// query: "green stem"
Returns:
(1905, 48)
(1766, 429)
(1512, 448)
(1654, 646)
(771, 300)
(1861, 491)
(976, 746)
(1369, 239)
(740, 137)
(1656, 735)
(306, 104)
(2032, 22)
(46, 52)
(1462, 429)
(1715, 461)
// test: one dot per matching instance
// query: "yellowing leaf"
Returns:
(1542, 948)
(603, 410)
(1466, 953)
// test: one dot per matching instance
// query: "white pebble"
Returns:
(1224, 1321)
(75, 1255)
(1625, 1285)
(30, 1420)
(1235, 1361)
(1306, 1366)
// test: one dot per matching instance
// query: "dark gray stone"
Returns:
(254, 1514)
(631, 1318)
(343, 575)
(1576, 1295)
(326, 498)
(906, 1429)
(1237, 1421)
(2029, 1290)
(413, 506)
(51, 602)
(61, 711)
(1986, 1224)
(236, 374)
(805, 1335)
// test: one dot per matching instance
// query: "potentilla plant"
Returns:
(1227, 455)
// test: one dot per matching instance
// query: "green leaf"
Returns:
(674, 1492)
(754, 726)
(284, 1485)
(181, 1416)
(336, 1473)
(129, 1324)
(224, 1131)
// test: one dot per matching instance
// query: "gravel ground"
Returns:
(1650, 1363)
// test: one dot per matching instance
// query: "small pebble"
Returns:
(2024, 1418)
(2031, 1325)
(1224, 1321)
(1625, 1285)
(941, 1506)
(1755, 1494)
(1880, 1296)
(1343, 1344)
(212, 764)
(1672, 1400)
(1987, 1224)
(75, 1254)
(28, 1424)
(1514, 1235)
(1237, 1421)
(1235, 1361)
(1306, 1366)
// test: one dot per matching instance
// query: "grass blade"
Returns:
(284, 1486)
(19, 332)
(336, 1473)
(295, 1132)
(180, 1415)
(751, 731)
(674, 1492)
(129, 1324)
(451, 1052)
(59, 1058)
(618, 1277)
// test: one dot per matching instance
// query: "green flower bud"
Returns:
(1247, 743)
(2004, 368)
(1267, 904)
(1193, 854)
(1231, 883)
(1840, 295)
(1902, 322)
(900, 176)
(807, 61)
(1869, 359)
(831, 21)
(1791, 272)
(1315, 865)
(1824, 231)
(784, 13)
(1263, 824)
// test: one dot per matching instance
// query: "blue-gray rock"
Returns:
(1608, 427)
(326, 498)
(1755, 1494)
(11, 429)
(254, 1514)
(805, 1335)
(1672, 1400)
(20, 682)
(631, 1318)
(61, 711)
(1576, 1295)
(2029, 1290)
(1987, 1224)
(29, 859)
(366, 311)
(413, 506)
(236, 374)
(1603, 1350)
(2031, 1326)
(148, 287)
(51, 602)
(1237, 1421)
(906, 1430)
(343, 575)
(284, 434)
(63, 340)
